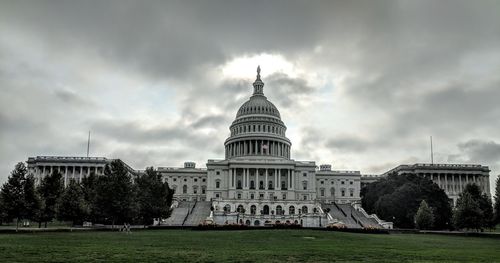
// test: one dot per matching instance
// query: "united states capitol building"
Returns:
(258, 183)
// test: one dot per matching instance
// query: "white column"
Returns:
(65, 175)
(278, 186)
(266, 186)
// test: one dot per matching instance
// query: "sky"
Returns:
(361, 85)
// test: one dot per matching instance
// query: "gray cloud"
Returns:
(410, 69)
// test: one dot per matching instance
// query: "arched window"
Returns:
(265, 210)
(227, 208)
(261, 185)
(279, 210)
(304, 210)
(184, 189)
(239, 185)
(240, 209)
(253, 209)
(217, 184)
(256, 223)
(291, 210)
(252, 184)
(247, 222)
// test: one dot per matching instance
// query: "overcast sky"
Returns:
(360, 85)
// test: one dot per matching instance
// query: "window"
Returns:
(343, 192)
(196, 179)
(270, 185)
(304, 174)
(279, 210)
(204, 180)
(217, 173)
(350, 182)
(184, 189)
(291, 210)
(185, 180)
(252, 184)
(203, 190)
(239, 196)
(284, 196)
(217, 195)
(252, 196)
(261, 185)
(195, 190)
(322, 191)
(322, 182)
(175, 179)
(351, 192)
(304, 210)
(239, 185)
(217, 184)
(342, 182)
(253, 209)
(305, 197)
(261, 196)
(304, 185)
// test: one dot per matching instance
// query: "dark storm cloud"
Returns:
(287, 91)
(347, 144)
(481, 151)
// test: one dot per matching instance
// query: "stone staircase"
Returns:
(199, 212)
(350, 216)
(189, 213)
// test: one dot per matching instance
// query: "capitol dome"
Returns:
(258, 129)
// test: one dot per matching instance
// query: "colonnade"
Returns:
(68, 171)
(455, 183)
(257, 147)
(242, 178)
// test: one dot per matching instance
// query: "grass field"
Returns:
(243, 246)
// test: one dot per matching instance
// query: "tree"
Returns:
(154, 196)
(51, 189)
(89, 186)
(33, 202)
(497, 201)
(474, 209)
(424, 219)
(397, 198)
(467, 215)
(116, 194)
(72, 206)
(13, 194)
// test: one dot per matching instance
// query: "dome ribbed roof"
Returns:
(258, 104)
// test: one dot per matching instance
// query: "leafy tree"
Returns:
(154, 196)
(51, 189)
(397, 198)
(424, 219)
(116, 194)
(497, 201)
(13, 194)
(89, 186)
(468, 214)
(33, 202)
(72, 206)
(474, 209)
(3, 213)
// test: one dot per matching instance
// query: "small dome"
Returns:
(258, 104)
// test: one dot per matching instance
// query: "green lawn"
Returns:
(243, 246)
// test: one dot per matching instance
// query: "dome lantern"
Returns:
(258, 85)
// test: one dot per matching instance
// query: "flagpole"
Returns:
(88, 145)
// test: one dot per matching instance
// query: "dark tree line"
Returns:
(114, 198)
(412, 201)
(397, 198)
(473, 210)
